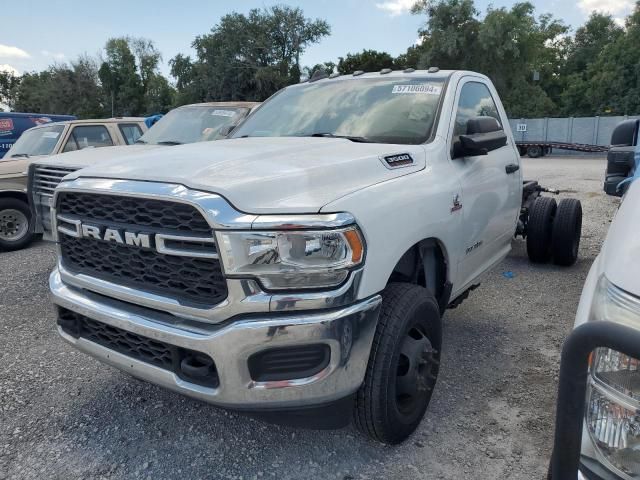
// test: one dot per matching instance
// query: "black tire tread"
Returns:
(566, 224)
(397, 298)
(539, 229)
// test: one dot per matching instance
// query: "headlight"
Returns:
(613, 404)
(292, 259)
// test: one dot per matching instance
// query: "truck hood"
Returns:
(11, 167)
(621, 249)
(89, 156)
(265, 175)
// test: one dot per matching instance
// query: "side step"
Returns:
(463, 296)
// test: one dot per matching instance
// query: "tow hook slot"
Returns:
(198, 367)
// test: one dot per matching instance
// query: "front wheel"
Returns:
(16, 231)
(403, 365)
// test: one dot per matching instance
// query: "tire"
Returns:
(540, 228)
(403, 365)
(16, 228)
(534, 151)
(567, 228)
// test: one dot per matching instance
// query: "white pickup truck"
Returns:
(300, 269)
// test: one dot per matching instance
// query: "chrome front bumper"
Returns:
(348, 331)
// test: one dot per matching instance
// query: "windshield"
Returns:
(382, 110)
(192, 124)
(37, 141)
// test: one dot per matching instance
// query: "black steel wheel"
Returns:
(567, 229)
(539, 229)
(403, 365)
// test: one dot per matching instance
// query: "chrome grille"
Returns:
(47, 178)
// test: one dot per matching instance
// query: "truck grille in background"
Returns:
(157, 353)
(189, 280)
(46, 179)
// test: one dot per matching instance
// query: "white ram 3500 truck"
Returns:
(300, 269)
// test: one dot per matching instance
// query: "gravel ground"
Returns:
(64, 415)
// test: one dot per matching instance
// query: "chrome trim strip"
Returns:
(72, 233)
(343, 375)
(244, 296)
(302, 222)
(162, 248)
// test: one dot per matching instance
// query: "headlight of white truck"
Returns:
(613, 403)
(292, 259)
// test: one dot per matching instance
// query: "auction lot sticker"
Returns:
(423, 89)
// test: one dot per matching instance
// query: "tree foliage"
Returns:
(367, 60)
(247, 57)
(60, 89)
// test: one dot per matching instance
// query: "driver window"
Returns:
(87, 136)
(475, 101)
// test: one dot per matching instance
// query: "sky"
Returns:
(37, 33)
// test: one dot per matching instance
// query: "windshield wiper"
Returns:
(169, 142)
(18, 155)
(347, 137)
(143, 142)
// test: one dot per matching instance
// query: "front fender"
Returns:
(397, 214)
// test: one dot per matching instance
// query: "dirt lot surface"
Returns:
(64, 415)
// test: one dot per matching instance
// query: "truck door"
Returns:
(491, 184)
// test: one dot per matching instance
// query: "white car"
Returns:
(187, 124)
(301, 268)
(610, 447)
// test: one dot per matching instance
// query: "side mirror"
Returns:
(484, 134)
(620, 163)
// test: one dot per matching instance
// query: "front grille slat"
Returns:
(46, 179)
(189, 280)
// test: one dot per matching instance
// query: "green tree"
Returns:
(61, 89)
(247, 57)
(120, 80)
(584, 59)
(508, 45)
(367, 60)
(613, 79)
(589, 40)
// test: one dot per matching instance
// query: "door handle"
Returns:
(511, 168)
